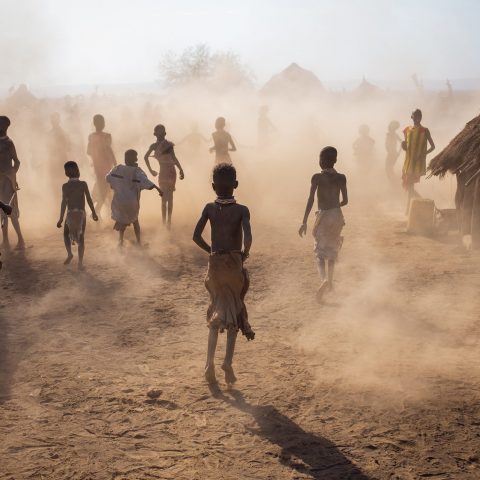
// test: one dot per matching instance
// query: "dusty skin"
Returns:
(102, 371)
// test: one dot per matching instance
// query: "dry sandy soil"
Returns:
(381, 381)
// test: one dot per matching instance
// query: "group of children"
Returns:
(227, 280)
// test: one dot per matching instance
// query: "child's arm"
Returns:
(343, 190)
(212, 149)
(430, 141)
(230, 140)
(16, 161)
(197, 234)
(90, 203)
(63, 207)
(247, 233)
(177, 163)
(147, 161)
(311, 198)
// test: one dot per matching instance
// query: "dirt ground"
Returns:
(381, 381)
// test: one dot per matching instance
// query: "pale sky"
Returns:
(62, 42)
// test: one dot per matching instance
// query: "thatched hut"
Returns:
(294, 83)
(462, 158)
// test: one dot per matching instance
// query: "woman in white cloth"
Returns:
(127, 181)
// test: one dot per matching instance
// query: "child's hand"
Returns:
(94, 217)
(302, 230)
(160, 192)
(154, 173)
(245, 255)
(59, 224)
(182, 175)
(7, 209)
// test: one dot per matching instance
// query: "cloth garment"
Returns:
(75, 222)
(167, 177)
(127, 182)
(327, 233)
(227, 282)
(415, 165)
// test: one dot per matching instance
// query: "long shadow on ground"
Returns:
(302, 451)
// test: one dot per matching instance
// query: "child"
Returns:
(167, 178)
(392, 141)
(127, 181)
(364, 148)
(74, 193)
(227, 280)
(222, 140)
(329, 220)
(9, 165)
(415, 145)
(100, 150)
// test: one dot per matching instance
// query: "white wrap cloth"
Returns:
(127, 182)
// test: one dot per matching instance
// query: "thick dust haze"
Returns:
(391, 346)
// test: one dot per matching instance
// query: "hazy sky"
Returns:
(45, 42)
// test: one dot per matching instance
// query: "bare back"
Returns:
(74, 194)
(227, 222)
(329, 184)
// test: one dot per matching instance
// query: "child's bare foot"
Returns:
(80, 266)
(68, 260)
(5, 246)
(321, 291)
(210, 374)
(20, 245)
(230, 377)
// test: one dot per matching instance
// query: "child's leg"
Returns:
(164, 208)
(321, 268)
(227, 363)
(81, 246)
(16, 226)
(68, 244)
(170, 208)
(136, 229)
(331, 269)
(6, 242)
(212, 346)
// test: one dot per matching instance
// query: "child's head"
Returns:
(72, 170)
(131, 158)
(99, 122)
(4, 124)
(393, 126)
(224, 179)
(416, 116)
(328, 157)
(364, 130)
(220, 123)
(159, 131)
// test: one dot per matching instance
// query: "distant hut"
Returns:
(462, 158)
(294, 83)
(367, 91)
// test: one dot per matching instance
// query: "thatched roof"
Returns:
(463, 150)
(367, 89)
(294, 81)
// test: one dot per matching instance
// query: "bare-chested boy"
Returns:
(329, 222)
(100, 150)
(227, 280)
(74, 193)
(164, 152)
(9, 165)
(223, 142)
